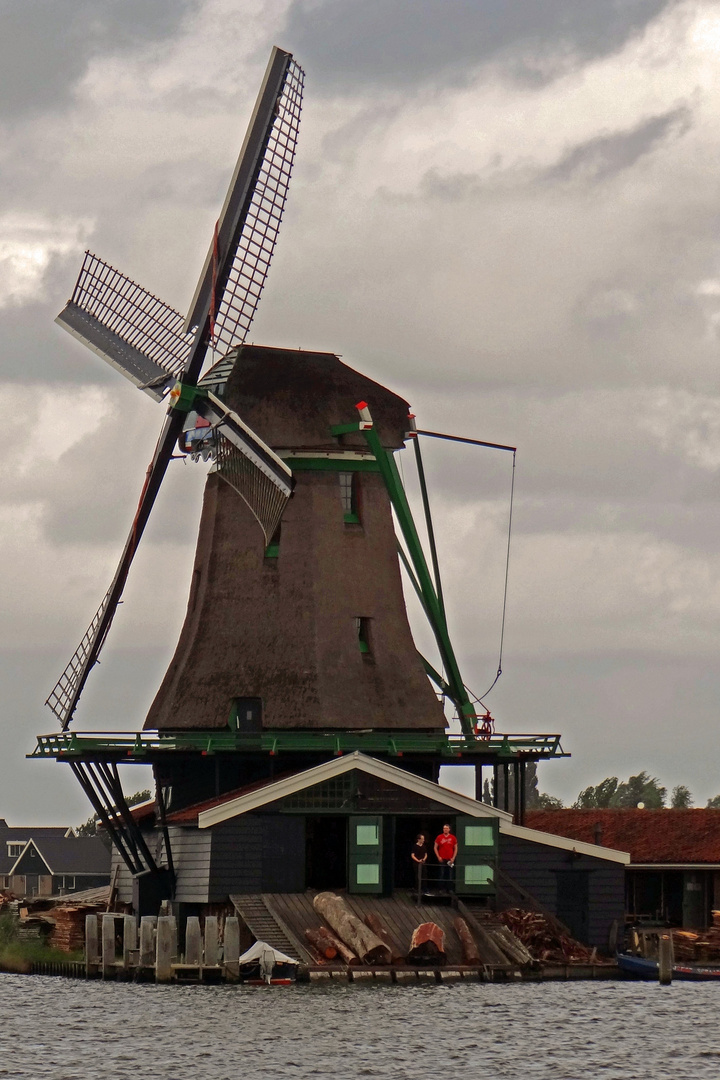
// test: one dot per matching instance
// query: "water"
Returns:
(67, 1030)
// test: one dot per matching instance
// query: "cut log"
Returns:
(427, 945)
(377, 927)
(470, 951)
(346, 955)
(322, 944)
(356, 935)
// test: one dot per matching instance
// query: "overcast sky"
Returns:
(506, 212)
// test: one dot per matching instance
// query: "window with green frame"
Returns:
(349, 488)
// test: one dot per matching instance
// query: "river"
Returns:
(63, 1029)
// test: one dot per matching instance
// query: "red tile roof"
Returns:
(651, 836)
(189, 814)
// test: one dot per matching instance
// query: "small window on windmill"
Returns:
(247, 715)
(349, 491)
(362, 625)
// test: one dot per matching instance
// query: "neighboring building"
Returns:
(350, 824)
(44, 860)
(674, 870)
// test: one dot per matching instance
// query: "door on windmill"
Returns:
(476, 856)
(365, 855)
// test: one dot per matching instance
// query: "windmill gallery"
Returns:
(297, 736)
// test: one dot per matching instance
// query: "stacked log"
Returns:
(377, 927)
(543, 941)
(427, 945)
(69, 931)
(470, 951)
(352, 931)
(328, 946)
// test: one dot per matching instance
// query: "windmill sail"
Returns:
(239, 258)
(140, 335)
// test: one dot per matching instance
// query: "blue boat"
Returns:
(638, 967)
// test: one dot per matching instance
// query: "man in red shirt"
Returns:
(446, 846)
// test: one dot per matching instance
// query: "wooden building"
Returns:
(349, 824)
(45, 860)
(673, 875)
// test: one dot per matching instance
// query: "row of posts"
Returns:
(155, 948)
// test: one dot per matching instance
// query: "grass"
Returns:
(17, 956)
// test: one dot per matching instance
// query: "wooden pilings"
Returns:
(116, 948)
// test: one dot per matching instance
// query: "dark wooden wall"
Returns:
(539, 869)
(257, 853)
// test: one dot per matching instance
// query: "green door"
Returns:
(365, 854)
(476, 857)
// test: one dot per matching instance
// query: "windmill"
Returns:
(296, 639)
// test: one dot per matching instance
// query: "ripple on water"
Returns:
(57, 1029)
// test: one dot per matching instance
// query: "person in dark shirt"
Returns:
(419, 856)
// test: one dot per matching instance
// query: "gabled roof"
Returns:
(76, 855)
(262, 794)
(653, 837)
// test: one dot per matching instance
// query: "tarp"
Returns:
(266, 957)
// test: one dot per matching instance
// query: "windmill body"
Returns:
(309, 632)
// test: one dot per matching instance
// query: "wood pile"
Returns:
(698, 947)
(544, 940)
(351, 931)
(68, 933)
(427, 945)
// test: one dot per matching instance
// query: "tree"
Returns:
(549, 802)
(714, 803)
(681, 798)
(600, 796)
(642, 788)
(90, 827)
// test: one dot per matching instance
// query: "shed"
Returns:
(349, 824)
(674, 871)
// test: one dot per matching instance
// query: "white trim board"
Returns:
(280, 789)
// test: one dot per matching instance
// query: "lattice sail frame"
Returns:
(251, 263)
(62, 693)
(257, 490)
(141, 319)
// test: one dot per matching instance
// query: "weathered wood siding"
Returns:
(257, 853)
(536, 868)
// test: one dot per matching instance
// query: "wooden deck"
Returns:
(282, 918)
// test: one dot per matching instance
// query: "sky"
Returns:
(507, 213)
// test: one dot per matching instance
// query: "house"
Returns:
(674, 871)
(43, 860)
(350, 823)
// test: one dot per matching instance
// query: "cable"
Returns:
(505, 591)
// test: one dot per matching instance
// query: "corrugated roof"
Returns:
(651, 836)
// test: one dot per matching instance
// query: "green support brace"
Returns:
(429, 598)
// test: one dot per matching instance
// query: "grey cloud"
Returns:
(607, 155)
(401, 43)
(45, 45)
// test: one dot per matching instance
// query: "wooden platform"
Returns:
(282, 918)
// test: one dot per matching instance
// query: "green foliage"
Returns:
(90, 827)
(642, 788)
(681, 798)
(714, 803)
(8, 929)
(592, 797)
(549, 802)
